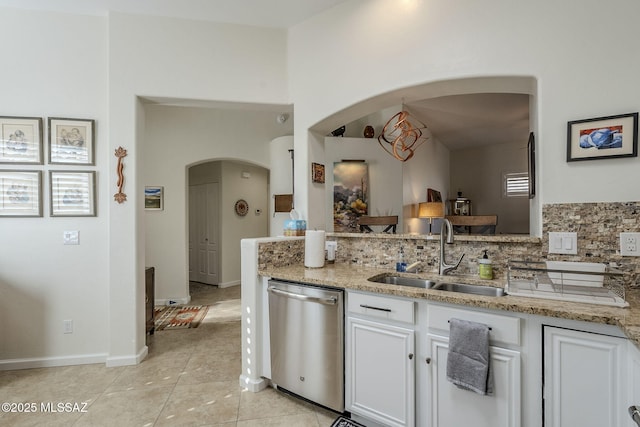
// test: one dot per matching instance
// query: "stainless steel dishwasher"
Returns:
(306, 325)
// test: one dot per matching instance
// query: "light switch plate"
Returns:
(563, 243)
(630, 244)
(71, 237)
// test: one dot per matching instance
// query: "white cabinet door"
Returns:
(583, 384)
(452, 406)
(382, 368)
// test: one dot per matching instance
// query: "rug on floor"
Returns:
(179, 316)
(345, 422)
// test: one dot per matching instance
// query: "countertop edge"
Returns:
(354, 278)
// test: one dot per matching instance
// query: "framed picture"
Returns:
(433, 195)
(71, 141)
(154, 198)
(20, 193)
(72, 193)
(350, 195)
(317, 172)
(603, 138)
(21, 140)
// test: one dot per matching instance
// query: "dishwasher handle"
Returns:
(325, 301)
(634, 412)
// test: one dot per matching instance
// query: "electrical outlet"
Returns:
(629, 244)
(67, 326)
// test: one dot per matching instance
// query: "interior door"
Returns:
(203, 233)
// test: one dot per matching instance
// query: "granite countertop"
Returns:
(355, 278)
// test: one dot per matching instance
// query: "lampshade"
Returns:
(431, 210)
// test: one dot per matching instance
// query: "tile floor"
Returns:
(190, 378)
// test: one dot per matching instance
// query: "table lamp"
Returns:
(431, 210)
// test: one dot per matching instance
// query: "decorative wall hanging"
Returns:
(72, 193)
(120, 197)
(21, 140)
(20, 193)
(317, 172)
(283, 202)
(71, 141)
(402, 135)
(603, 138)
(350, 195)
(241, 207)
(153, 198)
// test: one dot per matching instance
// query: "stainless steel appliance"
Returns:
(307, 341)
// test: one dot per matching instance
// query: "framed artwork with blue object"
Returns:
(603, 138)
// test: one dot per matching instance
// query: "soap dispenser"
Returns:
(484, 267)
(401, 264)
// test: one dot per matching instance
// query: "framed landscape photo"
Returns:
(603, 138)
(20, 193)
(72, 193)
(71, 141)
(153, 198)
(21, 140)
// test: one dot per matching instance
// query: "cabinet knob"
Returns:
(428, 360)
(410, 356)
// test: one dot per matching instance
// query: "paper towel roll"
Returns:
(314, 248)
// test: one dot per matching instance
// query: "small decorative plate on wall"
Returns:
(242, 207)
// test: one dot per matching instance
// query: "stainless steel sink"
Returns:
(470, 289)
(403, 281)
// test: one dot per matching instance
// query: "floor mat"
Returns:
(179, 316)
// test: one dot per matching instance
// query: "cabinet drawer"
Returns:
(504, 329)
(381, 307)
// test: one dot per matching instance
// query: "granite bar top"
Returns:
(498, 238)
(352, 277)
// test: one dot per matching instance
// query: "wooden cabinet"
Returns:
(583, 379)
(381, 360)
(452, 406)
(149, 299)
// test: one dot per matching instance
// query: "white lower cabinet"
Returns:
(452, 406)
(380, 363)
(583, 379)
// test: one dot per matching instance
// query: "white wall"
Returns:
(361, 49)
(255, 191)
(280, 180)
(429, 168)
(477, 173)
(175, 138)
(51, 71)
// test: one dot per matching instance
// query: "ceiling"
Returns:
(458, 121)
(473, 120)
(263, 13)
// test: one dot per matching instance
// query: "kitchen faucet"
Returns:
(446, 233)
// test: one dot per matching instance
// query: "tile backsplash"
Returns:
(597, 225)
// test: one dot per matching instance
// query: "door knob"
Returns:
(428, 360)
(410, 356)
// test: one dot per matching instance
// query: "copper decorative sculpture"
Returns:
(402, 135)
(120, 197)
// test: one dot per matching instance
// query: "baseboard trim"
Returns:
(113, 362)
(173, 301)
(253, 385)
(51, 362)
(229, 284)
